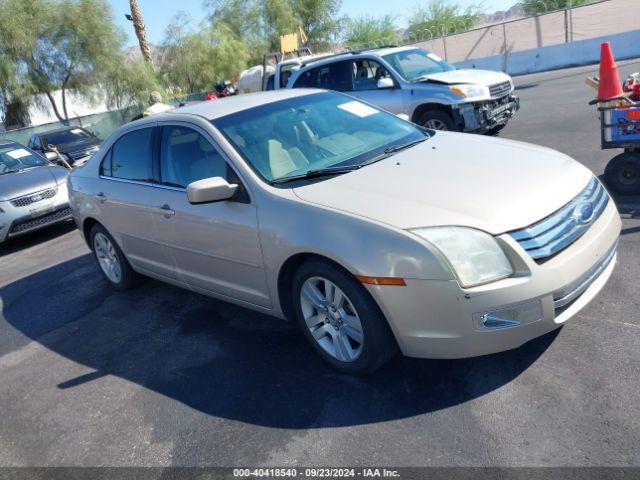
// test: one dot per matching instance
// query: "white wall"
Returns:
(624, 45)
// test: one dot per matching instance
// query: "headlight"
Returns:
(475, 92)
(474, 256)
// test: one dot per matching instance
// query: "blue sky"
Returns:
(158, 13)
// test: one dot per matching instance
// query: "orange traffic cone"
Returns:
(610, 86)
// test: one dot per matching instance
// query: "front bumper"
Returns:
(20, 220)
(480, 117)
(439, 319)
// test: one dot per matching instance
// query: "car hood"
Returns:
(77, 146)
(472, 76)
(456, 179)
(17, 184)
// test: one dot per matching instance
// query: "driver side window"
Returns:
(186, 156)
(366, 74)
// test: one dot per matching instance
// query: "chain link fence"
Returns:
(503, 36)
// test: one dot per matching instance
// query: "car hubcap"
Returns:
(435, 124)
(107, 257)
(332, 319)
(628, 175)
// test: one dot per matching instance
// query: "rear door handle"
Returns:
(165, 210)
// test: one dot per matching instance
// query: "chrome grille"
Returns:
(559, 230)
(34, 198)
(563, 298)
(25, 226)
(499, 89)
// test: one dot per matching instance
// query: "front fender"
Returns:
(291, 226)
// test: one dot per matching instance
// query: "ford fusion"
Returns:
(371, 233)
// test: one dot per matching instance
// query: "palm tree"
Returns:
(141, 33)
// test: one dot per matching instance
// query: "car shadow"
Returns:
(23, 242)
(228, 361)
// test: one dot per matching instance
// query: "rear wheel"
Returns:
(437, 120)
(622, 173)
(340, 319)
(111, 261)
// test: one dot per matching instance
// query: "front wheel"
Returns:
(340, 319)
(437, 120)
(622, 173)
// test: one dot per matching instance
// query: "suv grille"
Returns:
(559, 230)
(499, 89)
(34, 197)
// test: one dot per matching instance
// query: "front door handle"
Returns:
(165, 210)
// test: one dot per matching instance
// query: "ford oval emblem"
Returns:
(583, 213)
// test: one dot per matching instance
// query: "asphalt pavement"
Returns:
(159, 376)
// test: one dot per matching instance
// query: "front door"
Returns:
(214, 246)
(365, 86)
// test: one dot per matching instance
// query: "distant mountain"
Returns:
(515, 12)
(134, 54)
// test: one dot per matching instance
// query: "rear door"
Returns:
(123, 196)
(214, 246)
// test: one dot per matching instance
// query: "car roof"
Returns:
(355, 54)
(7, 142)
(225, 106)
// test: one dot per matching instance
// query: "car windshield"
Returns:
(312, 132)
(414, 64)
(14, 158)
(67, 136)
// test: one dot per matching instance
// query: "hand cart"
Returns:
(620, 128)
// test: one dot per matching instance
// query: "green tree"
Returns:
(440, 17)
(535, 7)
(370, 31)
(60, 44)
(128, 84)
(260, 23)
(194, 60)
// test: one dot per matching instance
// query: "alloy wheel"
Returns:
(107, 257)
(332, 319)
(435, 124)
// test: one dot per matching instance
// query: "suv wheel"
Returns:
(437, 120)
(340, 319)
(112, 262)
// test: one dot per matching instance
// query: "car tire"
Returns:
(622, 173)
(111, 261)
(438, 120)
(497, 129)
(351, 335)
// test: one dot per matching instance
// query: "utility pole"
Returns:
(141, 33)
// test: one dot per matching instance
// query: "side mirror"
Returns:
(210, 190)
(51, 155)
(386, 83)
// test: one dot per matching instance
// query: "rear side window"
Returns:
(130, 157)
(335, 76)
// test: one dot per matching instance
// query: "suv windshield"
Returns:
(67, 136)
(14, 158)
(415, 64)
(318, 131)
